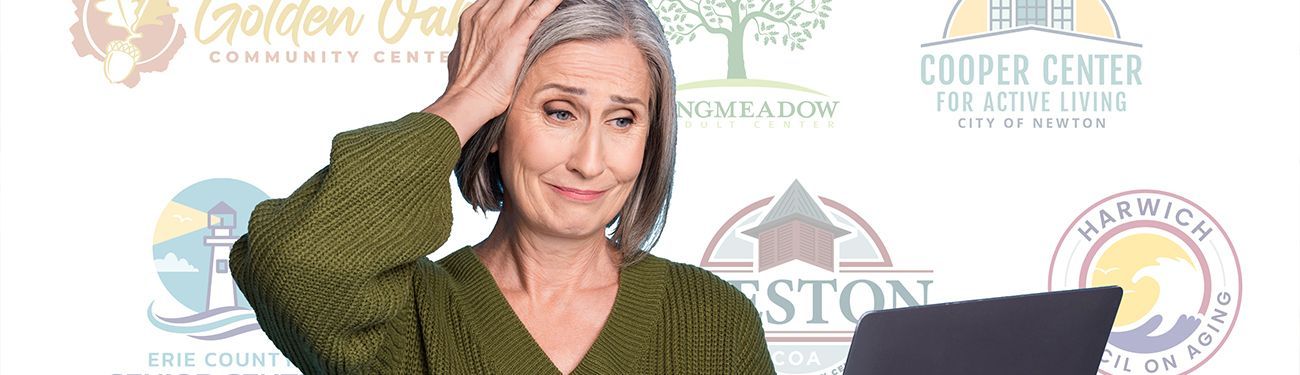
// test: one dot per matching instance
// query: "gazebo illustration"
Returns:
(221, 286)
(796, 228)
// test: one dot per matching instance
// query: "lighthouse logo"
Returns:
(812, 267)
(129, 36)
(191, 253)
(1179, 271)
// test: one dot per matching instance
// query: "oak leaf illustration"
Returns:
(131, 15)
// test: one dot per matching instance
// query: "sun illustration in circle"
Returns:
(1138, 263)
(1165, 287)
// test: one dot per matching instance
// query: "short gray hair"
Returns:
(640, 222)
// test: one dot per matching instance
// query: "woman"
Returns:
(562, 119)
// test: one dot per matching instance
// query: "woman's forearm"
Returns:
(328, 269)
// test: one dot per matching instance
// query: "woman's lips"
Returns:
(578, 194)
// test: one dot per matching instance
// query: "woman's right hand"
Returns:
(484, 64)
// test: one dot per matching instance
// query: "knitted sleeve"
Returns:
(329, 269)
(751, 355)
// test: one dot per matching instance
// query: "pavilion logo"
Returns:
(739, 100)
(812, 267)
(990, 70)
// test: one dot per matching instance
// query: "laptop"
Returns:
(1058, 333)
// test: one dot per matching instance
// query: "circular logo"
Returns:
(1179, 271)
(130, 37)
(812, 267)
(191, 252)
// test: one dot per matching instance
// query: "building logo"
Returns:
(1179, 271)
(812, 267)
(191, 251)
(989, 70)
(129, 36)
(740, 101)
(1087, 19)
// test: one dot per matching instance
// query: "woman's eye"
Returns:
(623, 122)
(560, 115)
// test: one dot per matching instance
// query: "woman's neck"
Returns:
(522, 258)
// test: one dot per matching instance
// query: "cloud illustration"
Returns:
(170, 263)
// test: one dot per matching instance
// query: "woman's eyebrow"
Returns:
(567, 89)
(625, 100)
(580, 92)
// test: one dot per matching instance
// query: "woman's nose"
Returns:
(588, 156)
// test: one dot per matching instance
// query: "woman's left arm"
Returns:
(750, 355)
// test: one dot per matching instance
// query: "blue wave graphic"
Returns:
(215, 324)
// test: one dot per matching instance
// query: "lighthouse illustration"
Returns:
(796, 228)
(221, 286)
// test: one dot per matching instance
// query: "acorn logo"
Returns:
(129, 36)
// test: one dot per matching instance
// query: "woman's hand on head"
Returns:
(484, 64)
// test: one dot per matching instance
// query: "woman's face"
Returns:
(574, 140)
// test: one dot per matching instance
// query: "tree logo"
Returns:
(769, 22)
(129, 36)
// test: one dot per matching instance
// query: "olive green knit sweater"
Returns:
(338, 277)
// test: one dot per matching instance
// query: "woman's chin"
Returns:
(580, 227)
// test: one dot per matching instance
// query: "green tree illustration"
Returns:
(789, 21)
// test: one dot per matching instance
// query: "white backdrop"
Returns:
(88, 167)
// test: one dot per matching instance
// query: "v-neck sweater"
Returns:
(338, 275)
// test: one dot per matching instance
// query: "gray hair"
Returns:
(640, 222)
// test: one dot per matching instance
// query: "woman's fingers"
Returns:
(509, 12)
(469, 12)
(466, 22)
(534, 14)
(483, 66)
(485, 15)
(465, 25)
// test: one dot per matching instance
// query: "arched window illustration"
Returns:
(999, 14)
(1063, 14)
(1005, 13)
(1031, 12)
